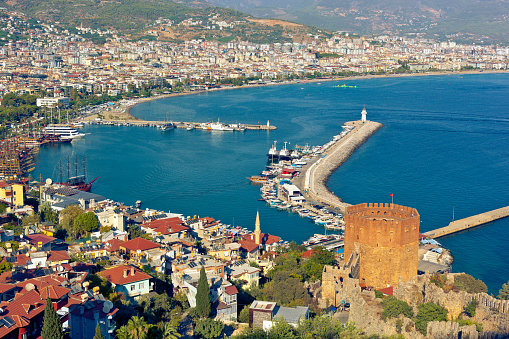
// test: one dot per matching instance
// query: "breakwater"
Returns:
(466, 223)
(318, 173)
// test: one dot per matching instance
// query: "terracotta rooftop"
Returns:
(140, 243)
(123, 274)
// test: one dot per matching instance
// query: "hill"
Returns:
(162, 19)
(479, 19)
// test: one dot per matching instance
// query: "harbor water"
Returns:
(444, 146)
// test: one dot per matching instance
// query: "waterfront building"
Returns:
(385, 238)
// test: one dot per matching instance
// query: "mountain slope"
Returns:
(398, 16)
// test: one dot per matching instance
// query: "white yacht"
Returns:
(64, 131)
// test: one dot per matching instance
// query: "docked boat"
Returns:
(217, 126)
(190, 127)
(284, 154)
(167, 126)
(64, 131)
(258, 179)
(273, 154)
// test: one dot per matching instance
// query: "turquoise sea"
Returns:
(444, 146)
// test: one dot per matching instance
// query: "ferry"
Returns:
(64, 131)
(284, 154)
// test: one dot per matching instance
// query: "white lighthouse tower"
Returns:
(363, 113)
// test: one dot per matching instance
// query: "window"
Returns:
(141, 286)
(132, 287)
(219, 270)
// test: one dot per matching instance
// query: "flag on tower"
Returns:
(391, 195)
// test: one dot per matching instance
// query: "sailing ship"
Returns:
(77, 181)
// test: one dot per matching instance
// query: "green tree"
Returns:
(314, 265)
(244, 315)
(208, 328)
(98, 334)
(67, 216)
(134, 231)
(138, 328)
(5, 266)
(503, 293)
(471, 308)
(282, 329)
(393, 307)
(51, 324)
(85, 223)
(203, 295)
(429, 312)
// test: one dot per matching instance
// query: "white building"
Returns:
(53, 102)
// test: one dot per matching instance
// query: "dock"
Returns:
(467, 223)
(196, 125)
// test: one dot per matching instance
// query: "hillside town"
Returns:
(51, 61)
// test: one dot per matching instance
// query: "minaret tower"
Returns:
(257, 231)
(363, 113)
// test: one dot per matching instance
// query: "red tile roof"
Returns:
(22, 310)
(6, 287)
(387, 291)
(247, 245)
(58, 256)
(163, 222)
(35, 238)
(231, 290)
(140, 243)
(176, 228)
(54, 292)
(116, 274)
(113, 244)
(266, 239)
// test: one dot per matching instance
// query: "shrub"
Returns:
(393, 307)
(429, 312)
(378, 294)
(470, 308)
(438, 279)
(399, 325)
(469, 284)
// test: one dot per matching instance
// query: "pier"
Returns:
(470, 222)
(319, 171)
(196, 125)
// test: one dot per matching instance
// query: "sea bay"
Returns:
(444, 146)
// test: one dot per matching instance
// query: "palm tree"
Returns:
(168, 331)
(137, 327)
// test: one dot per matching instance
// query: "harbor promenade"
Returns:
(319, 171)
(470, 222)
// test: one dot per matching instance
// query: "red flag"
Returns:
(390, 195)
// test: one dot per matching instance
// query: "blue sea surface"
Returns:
(444, 146)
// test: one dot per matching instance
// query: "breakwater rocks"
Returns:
(318, 174)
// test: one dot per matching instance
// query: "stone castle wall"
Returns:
(387, 238)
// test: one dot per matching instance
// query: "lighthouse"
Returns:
(363, 113)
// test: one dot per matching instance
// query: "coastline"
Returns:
(294, 82)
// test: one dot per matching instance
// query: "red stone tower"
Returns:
(386, 237)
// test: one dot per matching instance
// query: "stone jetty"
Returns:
(318, 173)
